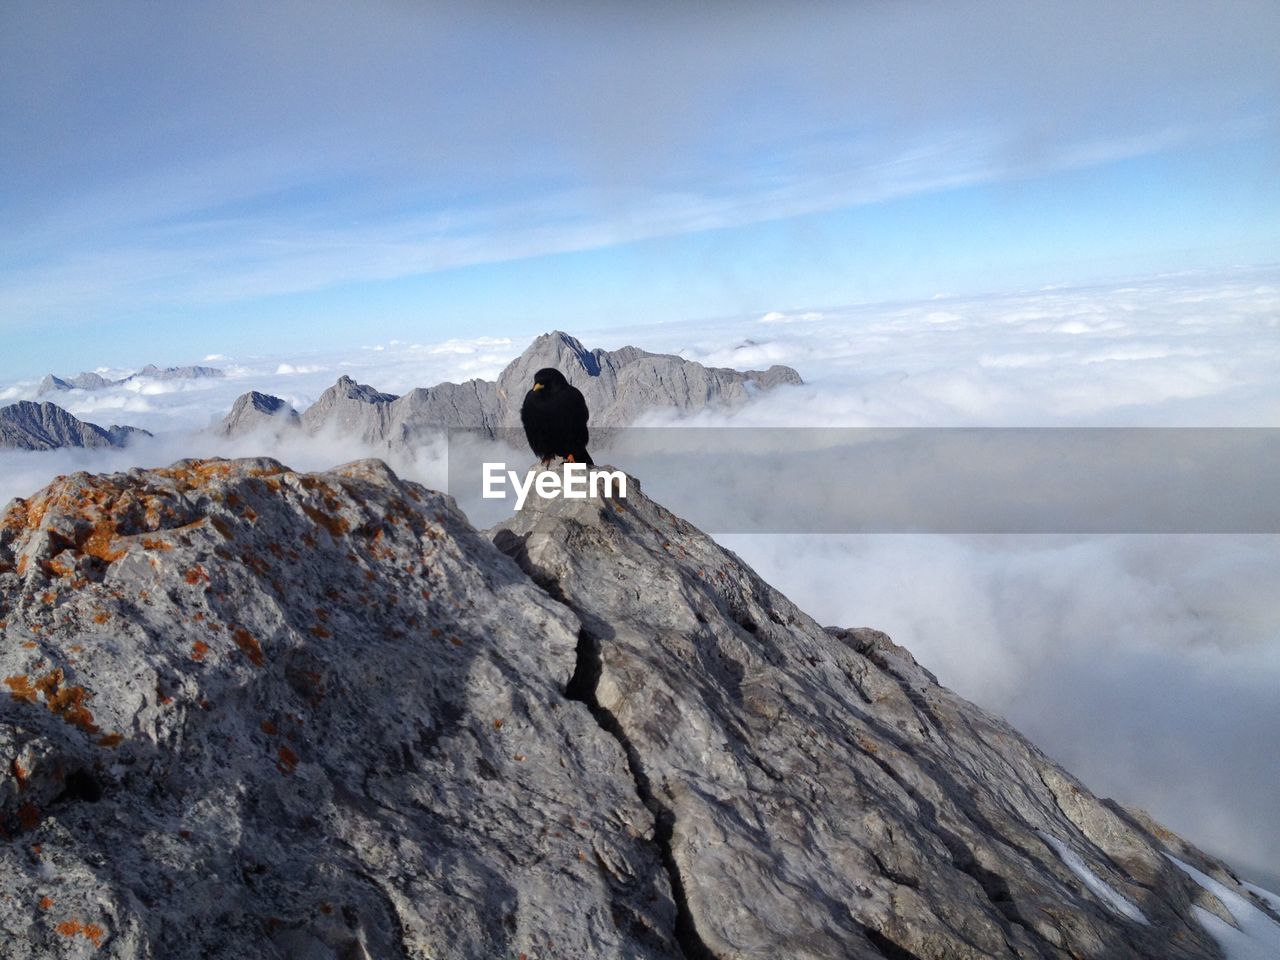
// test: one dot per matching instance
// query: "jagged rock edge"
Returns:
(581, 688)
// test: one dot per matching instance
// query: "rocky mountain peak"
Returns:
(255, 411)
(620, 386)
(27, 425)
(255, 712)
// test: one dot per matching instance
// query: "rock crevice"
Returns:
(582, 688)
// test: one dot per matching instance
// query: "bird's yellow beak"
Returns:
(537, 386)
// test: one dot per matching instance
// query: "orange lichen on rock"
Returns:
(223, 528)
(249, 644)
(90, 931)
(196, 473)
(20, 688)
(336, 526)
(67, 702)
(321, 632)
(98, 543)
(46, 903)
(196, 575)
(111, 740)
(101, 616)
(19, 773)
(288, 760)
(199, 650)
(151, 543)
(60, 566)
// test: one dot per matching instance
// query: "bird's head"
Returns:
(549, 380)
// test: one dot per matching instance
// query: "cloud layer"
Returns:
(1148, 665)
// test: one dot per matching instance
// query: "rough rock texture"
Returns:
(258, 411)
(256, 713)
(818, 794)
(619, 386)
(354, 409)
(252, 713)
(46, 426)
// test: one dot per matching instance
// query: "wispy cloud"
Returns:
(405, 141)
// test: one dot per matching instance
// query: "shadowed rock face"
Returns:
(619, 386)
(251, 712)
(46, 426)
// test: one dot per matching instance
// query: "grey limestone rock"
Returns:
(351, 408)
(817, 793)
(256, 411)
(249, 712)
(255, 713)
(46, 426)
(619, 386)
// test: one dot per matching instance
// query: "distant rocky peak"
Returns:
(28, 425)
(349, 389)
(567, 349)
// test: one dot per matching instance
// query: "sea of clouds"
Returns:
(1147, 664)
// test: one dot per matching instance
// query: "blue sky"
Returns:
(178, 180)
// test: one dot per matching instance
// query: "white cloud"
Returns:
(292, 369)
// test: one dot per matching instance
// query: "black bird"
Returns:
(554, 415)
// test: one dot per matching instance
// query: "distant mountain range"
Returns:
(619, 386)
(46, 426)
(95, 381)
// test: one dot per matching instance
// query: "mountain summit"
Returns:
(26, 425)
(254, 712)
(619, 386)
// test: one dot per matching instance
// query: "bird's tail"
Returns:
(581, 456)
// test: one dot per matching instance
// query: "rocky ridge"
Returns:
(619, 386)
(258, 411)
(253, 712)
(46, 426)
(96, 381)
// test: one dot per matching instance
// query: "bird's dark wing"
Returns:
(576, 416)
(537, 428)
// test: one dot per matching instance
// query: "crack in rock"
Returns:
(582, 688)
